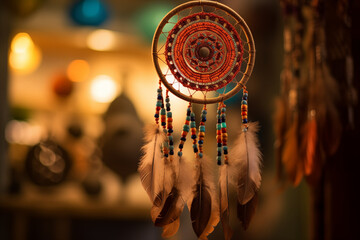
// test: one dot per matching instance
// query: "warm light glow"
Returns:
(103, 89)
(21, 132)
(78, 70)
(24, 56)
(101, 40)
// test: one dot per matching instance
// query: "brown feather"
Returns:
(169, 212)
(290, 156)
(310, 148)
(247, 211)
(171, 229)
(224, 202)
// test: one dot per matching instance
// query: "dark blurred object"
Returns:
(89, 12)
(62, 86)
(92, 186)
(23, 8)
(47, 163)
(122, 139)
(75, 130)
(15, 181)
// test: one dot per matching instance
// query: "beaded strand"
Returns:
(202, 131)
(193, 133)
(224, 135)
(244, 110)
(158, 104)
(186, 129)
(169, 124)
(165, 147)
(218, 135)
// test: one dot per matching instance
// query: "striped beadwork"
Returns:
(218, 135)
(244, 109)
(169, 124)
(224, 135)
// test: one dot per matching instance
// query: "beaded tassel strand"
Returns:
(218, 135)
(185, 131)
(202, 131)
(244, 110)
(224, 135)
(159, 103)
(169, 124)
(193, 133)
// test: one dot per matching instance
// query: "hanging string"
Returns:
(186, 129)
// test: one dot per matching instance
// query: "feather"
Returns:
(171, 229)
(204, 209)
(245, 212)
(224, 202)
(172, 207)
(245, 162)
(310, 142)
(151, 162)
(290, 156)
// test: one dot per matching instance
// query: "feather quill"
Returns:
(203, 205)
(224, 201)
(151, 164)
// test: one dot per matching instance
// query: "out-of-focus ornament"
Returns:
(62, 86)
(47, 163)
(89, 12)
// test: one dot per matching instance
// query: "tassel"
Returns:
(204, 210)
(224, 201)
(151, 162)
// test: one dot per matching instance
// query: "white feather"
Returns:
(151, 167)
(244, 164)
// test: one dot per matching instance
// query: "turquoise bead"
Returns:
(188, 118)
(223, 125)
(223, 110)
(158, 104)
(218, 158)
(218, 126)
(201, 155)
(170, 138)
(244, 102)
(202, 128)
(162, 111)
(204, 112)
(193, 124)
(225, 148)
(192, 114)
(219, 149)
(186, 128)
(169, 114)
(171, 147)
(179, 154)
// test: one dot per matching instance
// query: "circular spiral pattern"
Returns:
(204, 51)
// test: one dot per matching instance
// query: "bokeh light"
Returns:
(24, 57)
(101, 40)
(78, 70)
(103, 89)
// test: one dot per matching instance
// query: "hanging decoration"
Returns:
(307, 123)
(204, 53)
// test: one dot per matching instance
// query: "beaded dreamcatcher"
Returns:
(204, 53)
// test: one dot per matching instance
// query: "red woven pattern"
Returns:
(204, 51)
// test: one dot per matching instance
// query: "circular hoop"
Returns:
(171, 78)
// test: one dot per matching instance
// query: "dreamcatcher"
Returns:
(204, 53)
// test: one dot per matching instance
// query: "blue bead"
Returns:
(196, 150)
(166, 155)
(168, 109)
(163, 124)
(201, 155)
(183, 139)
(179, 154)
(159, 97)
(193, 136)
(245, 120)
(170, 130)
(156, 115)
(219, 153)
(245, 98)
(219, 120)
(203, 119)
(219, 144)
(223, 119)
(171, 142)
(171, 152)
(219, 162)
(244, 102)
(204, 112)
(181, 145)
(201, 142)
(225, 151)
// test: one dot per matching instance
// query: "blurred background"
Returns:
(77, 85)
